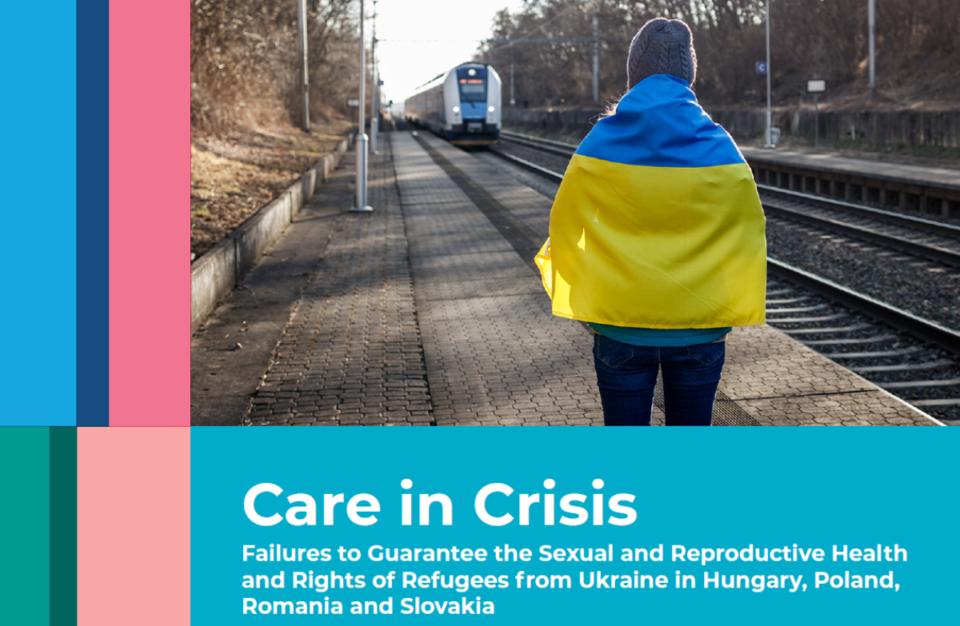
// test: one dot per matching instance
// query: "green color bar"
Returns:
(25, 525)
(63, 526)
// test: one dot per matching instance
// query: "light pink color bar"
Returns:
(133, 526)
(149, 213)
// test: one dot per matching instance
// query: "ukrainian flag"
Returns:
(657, 223)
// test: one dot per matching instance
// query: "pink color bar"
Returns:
(133, 526)
(149, 213)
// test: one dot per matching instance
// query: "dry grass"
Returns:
(235, 173)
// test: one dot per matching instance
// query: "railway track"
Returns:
(926, 239)
(914, 358)
(909, 356)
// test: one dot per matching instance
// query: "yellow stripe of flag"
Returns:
(656, 247)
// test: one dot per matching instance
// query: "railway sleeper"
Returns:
(808, 320)
(903, 367)
(814, 331)
(787, 300)
(916, 384)
(850, 342)
(938, 402)
(803, 309)
(874, 355)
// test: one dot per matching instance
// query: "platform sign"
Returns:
(353, 102)
(761, 67)
(816, 86)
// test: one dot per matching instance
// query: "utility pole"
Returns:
(375, 101)
(361, 147)
(769, 142)
(816, 117)
(872, 20)
(513, 99)
(302, 6)
(596, 58)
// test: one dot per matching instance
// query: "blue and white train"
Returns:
(462, 105)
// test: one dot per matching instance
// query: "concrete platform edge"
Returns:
(220, 269)
(843, 167)
(903, 402)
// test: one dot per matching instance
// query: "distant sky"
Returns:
(407, 59)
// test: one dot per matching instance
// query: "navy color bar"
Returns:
(93, 213)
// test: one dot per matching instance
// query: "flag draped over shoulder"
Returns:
(657, 223)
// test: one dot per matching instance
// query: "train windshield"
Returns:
(473, 90)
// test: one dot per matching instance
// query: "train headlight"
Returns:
(491, 108)
(456, 109)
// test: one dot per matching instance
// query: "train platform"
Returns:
(921, 175)
(925, 189)
(429, 311)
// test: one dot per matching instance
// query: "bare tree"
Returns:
(917, 46)
(245, 59)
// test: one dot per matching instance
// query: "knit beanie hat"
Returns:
(662, 46)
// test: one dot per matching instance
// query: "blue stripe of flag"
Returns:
(658, 123)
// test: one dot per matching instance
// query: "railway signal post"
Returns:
(769, 137)
(596, 59)
(375, 100)
(361, 206)
(816, 87)
(872, 26)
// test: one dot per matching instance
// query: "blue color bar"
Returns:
(39, 182)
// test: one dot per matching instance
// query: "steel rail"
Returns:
(536, 146)
(901, 244)
(570, 147)
(916, 223)
(527, 165)
(921, 328)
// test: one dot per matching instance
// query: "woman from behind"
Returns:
(657, 239)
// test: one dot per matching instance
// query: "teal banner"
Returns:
(25, 567)
(662, 526)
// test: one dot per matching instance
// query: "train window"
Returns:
(473, 93)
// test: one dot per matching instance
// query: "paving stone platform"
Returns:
(428, 312)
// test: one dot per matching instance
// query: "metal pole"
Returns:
(362, 136)
(302, 9)
(375, 100)
(513, 99)
(816, 121)
(769, 112)
(872, 19)
(596, 58)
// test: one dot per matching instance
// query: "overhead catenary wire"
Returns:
(522, 37)
(525, 38)
(426, 40)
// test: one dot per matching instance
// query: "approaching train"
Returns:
(462, 105)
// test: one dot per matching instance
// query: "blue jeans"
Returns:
(627, 377)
